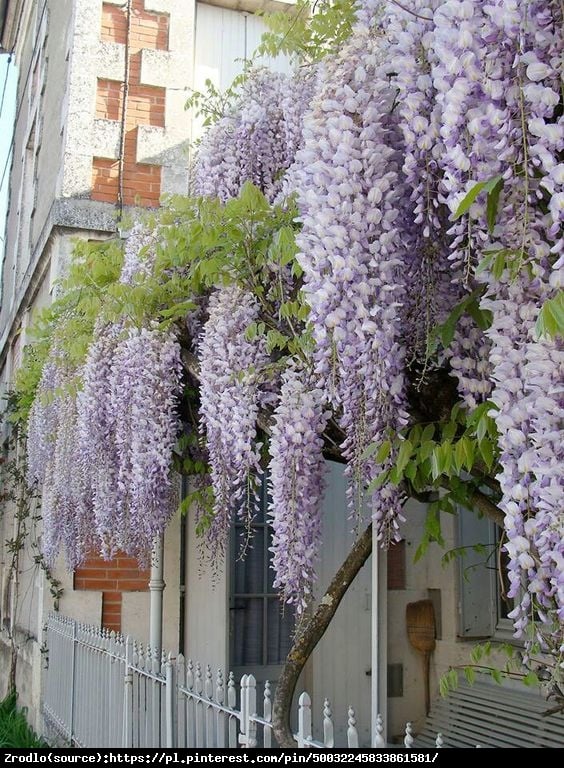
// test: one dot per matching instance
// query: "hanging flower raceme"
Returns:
(230, 377)
(353, 241)
(295, 477)
(431, 289)
(138, 255)
(144, 385)
(52, 440)
(257, 141)
(42, 422)
(97, 451)
(528, 375)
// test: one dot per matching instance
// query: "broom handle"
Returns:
(426, 670)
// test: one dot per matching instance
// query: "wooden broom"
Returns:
(420, 621)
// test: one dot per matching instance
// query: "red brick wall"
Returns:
(112, 578)
(141, 183)
(148, 30)
(109, 99)
(105, 179)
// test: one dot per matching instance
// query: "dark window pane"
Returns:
(247, 628)
(249, 570)
(280, 629)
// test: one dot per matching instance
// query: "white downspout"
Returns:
(156, 588)
(379, 692)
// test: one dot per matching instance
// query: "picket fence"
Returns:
(105, 690)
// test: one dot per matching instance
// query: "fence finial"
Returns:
(379, 740)
(304, 719)
(219, 687)
(352, 733)
(209, 683)
(439, 741)
(328, 734)
(267, 715)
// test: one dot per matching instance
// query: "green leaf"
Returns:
(459, 454)
(531, 679)
(550, 321)
(481, 186)
(428, 433)
(470, 674)
(496, 675)
(499, 265)
(381, 450)
(487, 452)
(493, 201)
(378, 481)
(405, 451)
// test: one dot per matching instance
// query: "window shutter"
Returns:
(477, 574)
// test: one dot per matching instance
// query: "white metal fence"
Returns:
(104, 690)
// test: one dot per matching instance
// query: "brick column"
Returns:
(112, 578)
(145, 106)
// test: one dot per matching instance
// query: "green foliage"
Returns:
(550, 321)
(492, 187)
(310, 31)
(14, 729)
(481, 662)
(200, 244)
(470, 305)
(448, 459)
(212, 104)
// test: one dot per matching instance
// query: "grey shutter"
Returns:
(477, 577)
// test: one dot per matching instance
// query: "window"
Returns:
(260, 625)
(483, 605)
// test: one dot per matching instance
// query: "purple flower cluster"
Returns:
(144, 385)
(43, 421)
(296, 474)
(65, 503)
(351, 198)
(257, 140)
(139, 254)
(103, 454)
(230, 377)
(528, 375)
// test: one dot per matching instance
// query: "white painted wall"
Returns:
(207, 605)
(342, 661)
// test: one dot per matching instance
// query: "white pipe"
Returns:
(379, 637)
(156, 588)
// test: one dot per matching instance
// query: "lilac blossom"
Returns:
(144, 385)
(351, 201)
(257, 140)
(296, 485)
(230, 378)
(138, 255)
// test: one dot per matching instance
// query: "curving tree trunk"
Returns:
(311, 633)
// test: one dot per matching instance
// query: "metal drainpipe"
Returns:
(156, 588)
(182, 579)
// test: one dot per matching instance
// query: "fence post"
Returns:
(379, 740)
(352, 733)
(73, 681)
(328, 732)
(267, 715)
(232, 703)
(169, 702)
(251, 710)
(127, 694)
(304, 719)
(247, 737)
